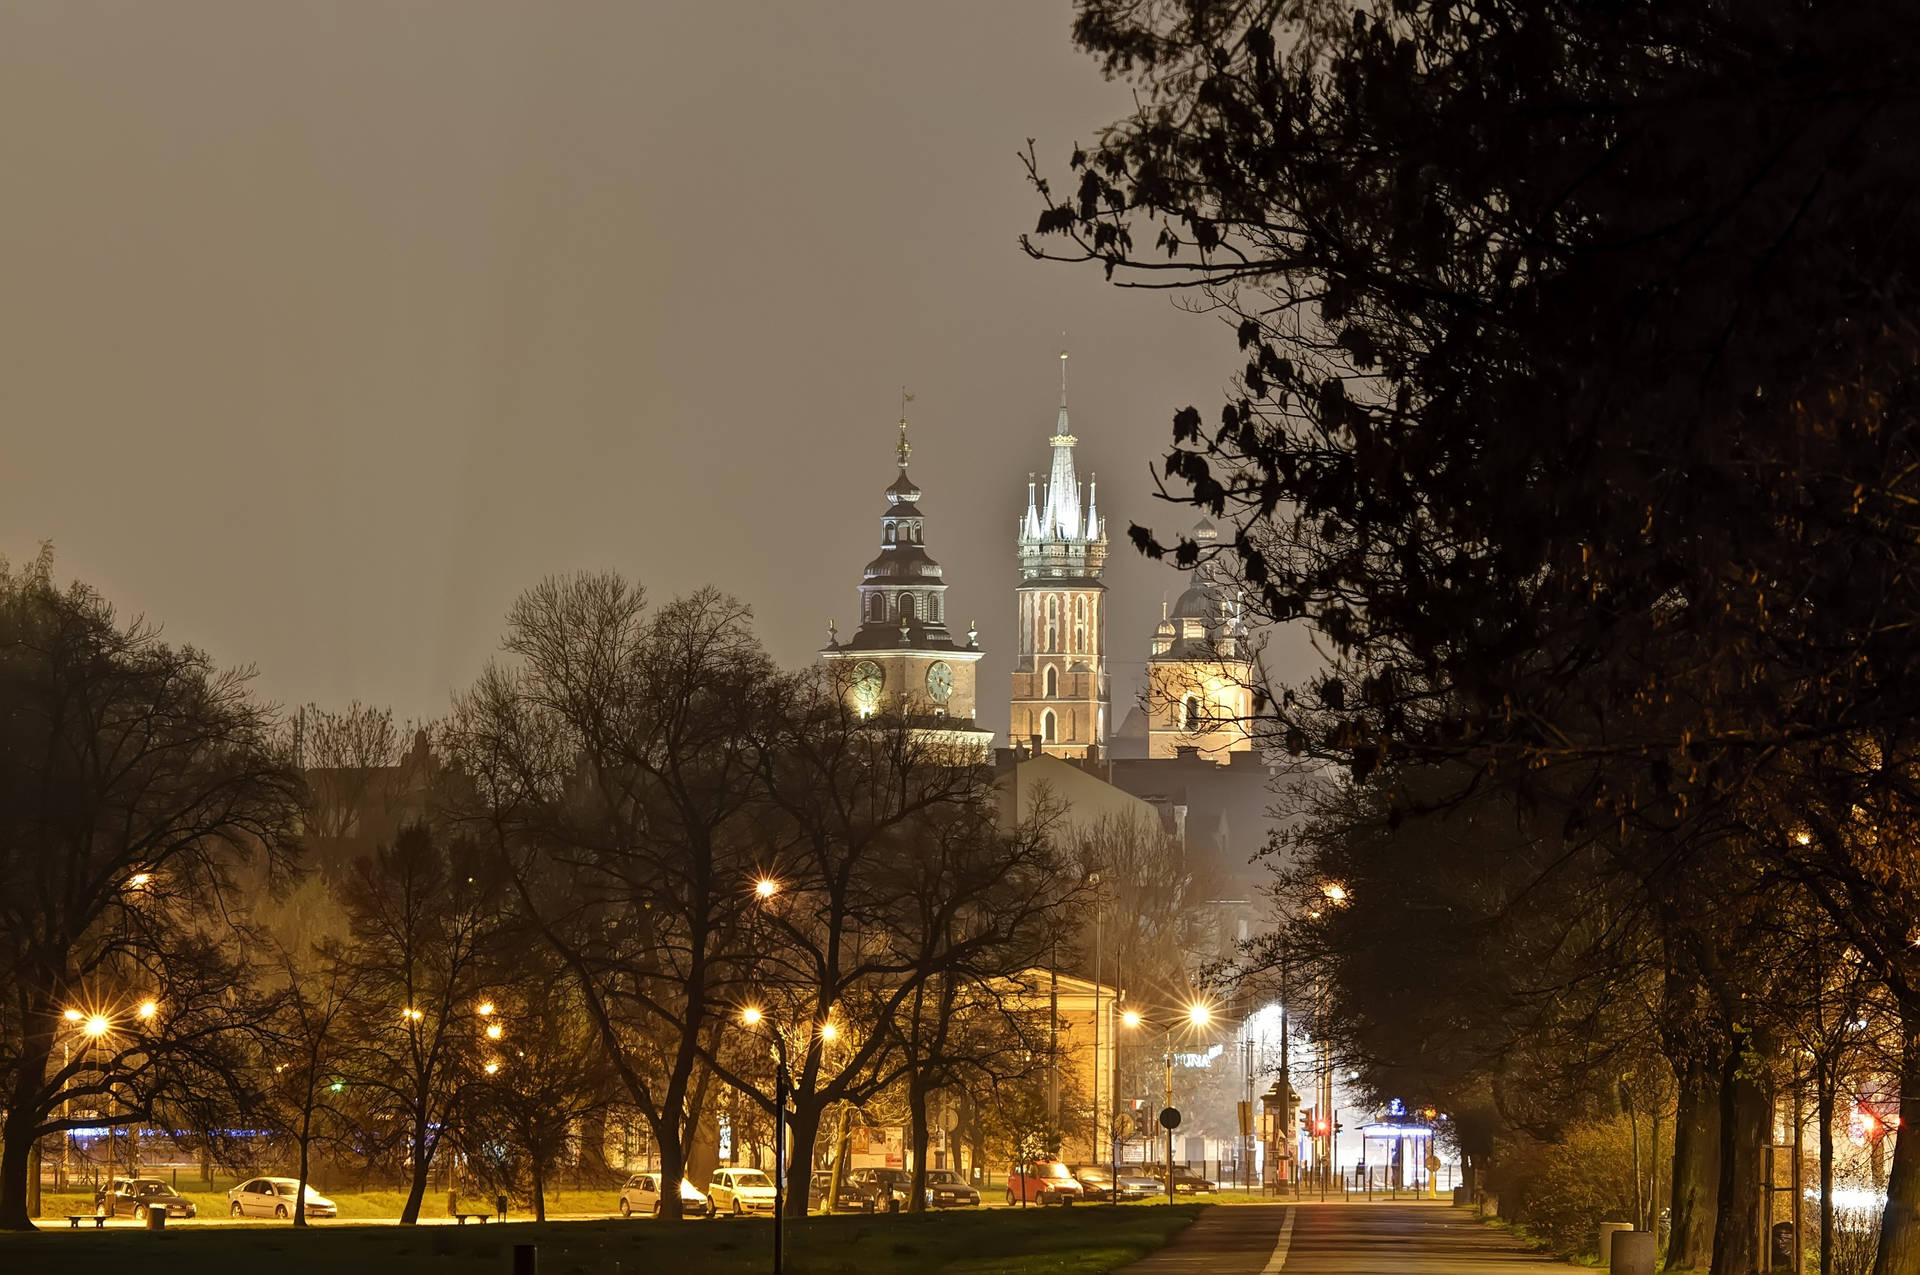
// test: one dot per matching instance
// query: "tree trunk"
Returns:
(917, 1131)
(306, 1152)
(1900, 1224)
(417, 1186)
(673, 1167)
(16, 1135)
(1745, 1119)
(540, 1191)
(1696, 1167)
(1825, 1085)
(803, 1129)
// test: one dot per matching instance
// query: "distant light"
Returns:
(493, 1031)
(139, 880)
(1804, 838)
(486, 1009)
(1335, 892)
(1131, 1018)
(1199, 1015)
(148, 1009)
(73, 1015)
(338, 1086)
(98, 1025)
(492, 1067)
(828, 1031)
(750, 1016)
(412, 1013)
(766, 887)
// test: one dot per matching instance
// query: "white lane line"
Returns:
(1279, 1258)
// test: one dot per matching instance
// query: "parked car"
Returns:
(855, 1196)
(641, 1195)
(1138, 1186)
(1185, 1180)
(1095, 1182)
(1042, 1182)
(889, 1186)
(276, 1197)
(136, 1197)
(948, 1190)
(741, 1191)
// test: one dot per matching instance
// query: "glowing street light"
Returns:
(73, 1015)
(1131, 1018)
(750, 1016)
(485, 1010)
(493, 1031)
(492, 1067)
(98, 1025)
(766, 887)
(1199, 1015)
(139, 880)
(828, 1031)
(148, 1009)
(412, 1014)
(1334, 891)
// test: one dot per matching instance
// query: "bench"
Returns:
(462, 1217)
(74, 1220)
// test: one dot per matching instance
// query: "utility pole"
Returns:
(1169, 1107)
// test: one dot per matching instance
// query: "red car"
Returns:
(1043, 1182)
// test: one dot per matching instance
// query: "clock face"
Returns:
(867, 683)
(940, 681)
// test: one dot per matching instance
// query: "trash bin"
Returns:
(1782, 1251)
(1460, 1198)
(156, 1219)
(1632, 1253)
(1607, 1230)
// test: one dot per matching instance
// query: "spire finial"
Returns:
(1063, 371)
(906, 448)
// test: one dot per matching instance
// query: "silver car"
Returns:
(641, 1195)
(276, 1197)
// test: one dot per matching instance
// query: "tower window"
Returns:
(916, 533)
(934, 608)
(877, 608)
(889, 533)
(1053, 623)
(1192, 708)
(1046, 727)
(1053, 682)
(906, 606)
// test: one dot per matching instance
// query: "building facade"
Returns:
(1200, 672)
(1060, 692)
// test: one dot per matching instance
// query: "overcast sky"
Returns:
(327, 328)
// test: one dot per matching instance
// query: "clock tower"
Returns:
(1060, 670)
(903, 660)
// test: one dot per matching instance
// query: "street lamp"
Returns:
(766, 887)
(752, 1017)
(97, 1025)
(148, 1009)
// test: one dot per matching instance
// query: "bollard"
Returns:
(524, 1259)
(1632, 1253)
(1607, 1230)
(156, 1219)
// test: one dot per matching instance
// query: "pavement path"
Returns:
(1342, 1239)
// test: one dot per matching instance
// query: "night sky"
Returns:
(327, 328)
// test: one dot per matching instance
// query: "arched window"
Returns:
(906, 606)
(889, 533)
(1193, 714)
(1046, 727)
(1053, 623)
(916, 533)
(877, 607)
(1053, 682)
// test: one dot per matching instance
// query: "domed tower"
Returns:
(1200, 673)
(1060, 670)
(903, 660)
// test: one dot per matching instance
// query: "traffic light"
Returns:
(1309, 1125)
(1142, 1118)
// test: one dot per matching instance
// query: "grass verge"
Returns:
(1088, 1240)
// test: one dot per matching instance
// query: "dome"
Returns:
(1201, 602)
(902, 488)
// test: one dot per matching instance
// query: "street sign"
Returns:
(1169, 1117)
(1433, 1163)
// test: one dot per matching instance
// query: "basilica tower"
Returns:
(1060, 670)
(903, 661)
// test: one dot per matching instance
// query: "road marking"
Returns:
(1279, 1258)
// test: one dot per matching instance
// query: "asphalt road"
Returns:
(1342, 1239)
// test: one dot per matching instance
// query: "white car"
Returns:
(275, 1197)
(741, 1191)
(641, 1194)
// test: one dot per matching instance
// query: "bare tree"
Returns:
(135, 780)
(309, 1052)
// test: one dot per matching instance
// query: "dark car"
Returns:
(855, 1196)
(948, 1190)
(1185, 1180)
(1094, 1180)
(137, 1197)
(889, 1186)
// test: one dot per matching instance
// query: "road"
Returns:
(1342, 1239)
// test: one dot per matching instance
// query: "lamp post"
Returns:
(752, 1017)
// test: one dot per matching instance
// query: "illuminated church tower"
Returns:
(1201, 672)
(903, 661)
(1060, 669)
